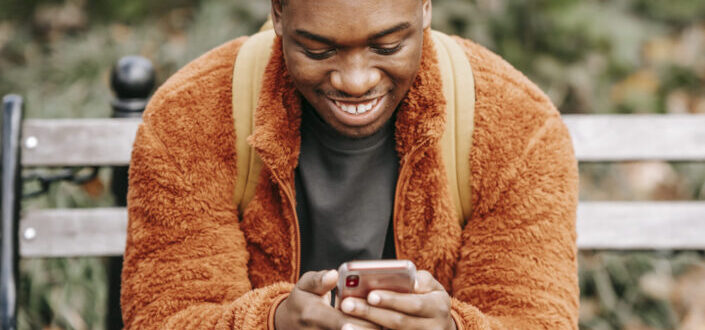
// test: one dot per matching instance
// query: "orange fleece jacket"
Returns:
(192, 261)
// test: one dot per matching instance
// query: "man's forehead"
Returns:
(286, 2)
(349, 10)
(350, 17)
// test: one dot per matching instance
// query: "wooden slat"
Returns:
(637, 137)
(641, 225)
(601, 225)
(73, 232)
(77, 142)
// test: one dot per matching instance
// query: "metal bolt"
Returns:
(30, 233)
(31, 142)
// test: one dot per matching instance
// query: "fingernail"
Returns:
(347, 306)
(374, 298)
(347, 326)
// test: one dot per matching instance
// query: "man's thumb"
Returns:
(318, 283)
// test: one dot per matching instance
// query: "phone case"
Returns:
(358, 278)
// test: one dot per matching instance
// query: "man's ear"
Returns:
(427, 13)
(277, 17)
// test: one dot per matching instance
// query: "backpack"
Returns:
(458, 90)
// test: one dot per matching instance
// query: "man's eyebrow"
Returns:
(324, 40)
(396, 28)
(314, 37)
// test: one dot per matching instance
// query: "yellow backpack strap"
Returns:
(248, 73)
(459, 92)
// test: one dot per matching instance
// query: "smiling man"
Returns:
(348, 128)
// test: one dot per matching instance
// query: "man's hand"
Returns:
(308, 306)
(427, 308)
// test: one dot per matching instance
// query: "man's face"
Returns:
(353, 61)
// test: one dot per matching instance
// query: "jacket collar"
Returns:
(420, 116)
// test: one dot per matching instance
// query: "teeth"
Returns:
(361, 108)
(348, 108)
(357, 109)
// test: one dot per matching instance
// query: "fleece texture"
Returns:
(192, 261)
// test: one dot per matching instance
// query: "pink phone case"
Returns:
(358, 278)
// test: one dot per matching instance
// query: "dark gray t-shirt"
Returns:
(344, 194)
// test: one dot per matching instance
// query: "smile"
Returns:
(358, 107)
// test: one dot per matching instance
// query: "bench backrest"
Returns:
(639, 225)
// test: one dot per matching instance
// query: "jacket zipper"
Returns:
(401, 185)
(292, 203)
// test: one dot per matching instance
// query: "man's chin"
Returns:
(358, 132)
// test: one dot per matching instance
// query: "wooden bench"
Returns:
(70, 143)
(107, 142)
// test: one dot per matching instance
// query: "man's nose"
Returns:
(356, 77)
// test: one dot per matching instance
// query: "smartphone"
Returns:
(358, 278)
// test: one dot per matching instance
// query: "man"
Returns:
(348, 127)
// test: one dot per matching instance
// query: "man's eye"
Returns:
(319, 54)
(386, 50)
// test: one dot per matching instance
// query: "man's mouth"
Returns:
(357, 107)
(357, 113)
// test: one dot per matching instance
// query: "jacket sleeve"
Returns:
(518, 261)
(186, 262)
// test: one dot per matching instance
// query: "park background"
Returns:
(589, 56)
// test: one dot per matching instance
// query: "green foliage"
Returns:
(579, 51)
(21, 10)
(99, 11)
(618, 290)
(678, 13)
(62, 293)
(133, 11)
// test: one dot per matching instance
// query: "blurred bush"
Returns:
(590, 56)
(595, 56)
